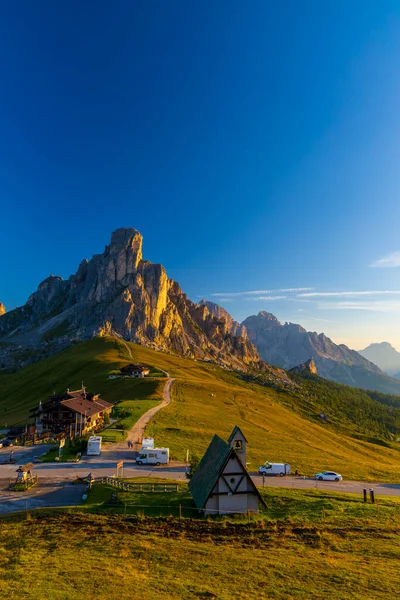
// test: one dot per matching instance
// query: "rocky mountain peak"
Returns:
(307, 367)
(126, 239)
(263, 315)
(220, 313)
(2, 309)
(384, 355)
(118, 292)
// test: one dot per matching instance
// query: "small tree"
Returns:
(193, 464)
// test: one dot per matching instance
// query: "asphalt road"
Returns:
(46, 494)
(106, 465)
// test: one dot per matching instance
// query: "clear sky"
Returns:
(254, 144)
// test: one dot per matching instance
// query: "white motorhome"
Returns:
(153, 456)
(147, 443)
(280, 469)
(94, 445)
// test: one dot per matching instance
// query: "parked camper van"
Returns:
(280, 469)
(94, 445)
(153, 456)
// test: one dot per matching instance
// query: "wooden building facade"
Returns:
(73, 413)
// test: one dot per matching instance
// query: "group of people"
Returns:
(130, 444)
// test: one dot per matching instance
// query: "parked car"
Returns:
(328, 476)
(7, 443)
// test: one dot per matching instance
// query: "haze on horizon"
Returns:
(254, 147)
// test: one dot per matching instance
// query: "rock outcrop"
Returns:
(118, 292)
(288, 345)
(307, 367)
(223, 315)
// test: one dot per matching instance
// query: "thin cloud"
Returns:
(378, 306)
(267, 298)
(349, 294)
(391, 260)
(320, 320)
(261, 292)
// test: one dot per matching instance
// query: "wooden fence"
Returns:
(140, 487)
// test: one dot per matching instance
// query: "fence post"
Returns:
(365, 494)
(372, 495)
(180, 511)
(248, 516)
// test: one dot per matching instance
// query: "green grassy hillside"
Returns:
(89, 363)
(308, 545)
(207, 400)
(359, 412)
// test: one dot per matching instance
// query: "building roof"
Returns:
(211, 468)
(236, 430)
(207, 473)
(79, 401)
(26, 468)
(134, 367)
(84, 405)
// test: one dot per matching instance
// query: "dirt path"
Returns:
(136, 433)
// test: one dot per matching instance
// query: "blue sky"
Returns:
(254, 145)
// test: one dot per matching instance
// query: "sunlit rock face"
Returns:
(117, 292)
(308, 367)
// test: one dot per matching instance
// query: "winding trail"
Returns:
(135, 434)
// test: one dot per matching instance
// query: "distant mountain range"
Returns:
(385, 356)
(119, 293)
(289, 345)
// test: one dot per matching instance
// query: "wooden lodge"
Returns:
(134, 370)
(72, 413)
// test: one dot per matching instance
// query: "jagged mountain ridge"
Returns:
(289, 345)
(385, 356)
(118, 291)
(220, 313)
